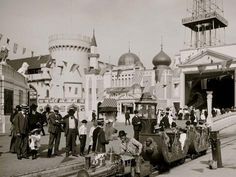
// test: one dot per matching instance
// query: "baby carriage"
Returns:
(34, 142)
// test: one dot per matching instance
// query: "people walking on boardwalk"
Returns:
(127, 118)
(54, 121)
(82, 136)
(13, 129)
(71, 132)
(21, 128)
(137, 126)
(132, 147)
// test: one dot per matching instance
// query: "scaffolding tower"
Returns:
(206, 23)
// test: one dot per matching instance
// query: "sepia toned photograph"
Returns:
(117, 88)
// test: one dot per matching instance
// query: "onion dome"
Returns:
(161, 59)
(129, 59)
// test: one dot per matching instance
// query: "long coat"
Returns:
(54, 123)
(99, 140)
(21, 123)
(66, 124)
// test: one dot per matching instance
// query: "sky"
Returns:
(118, 24)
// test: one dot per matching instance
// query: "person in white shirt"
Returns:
(82, 136)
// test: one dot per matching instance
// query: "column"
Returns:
(209, 108)
(182, 89)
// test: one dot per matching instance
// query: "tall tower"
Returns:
(205, 23)
(93, 55)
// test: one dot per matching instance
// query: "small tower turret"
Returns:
(93, 55)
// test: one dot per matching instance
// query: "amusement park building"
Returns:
(73, 75)
(13, 91)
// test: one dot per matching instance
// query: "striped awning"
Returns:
(108, 105)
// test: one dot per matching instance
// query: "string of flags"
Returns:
(15, 46)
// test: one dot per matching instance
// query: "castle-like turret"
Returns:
(93, 55)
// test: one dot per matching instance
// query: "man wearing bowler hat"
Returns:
(71, 131)
(54, 121)
(137, 126)
(132, 147)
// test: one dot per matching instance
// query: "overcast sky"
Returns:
(116, 22)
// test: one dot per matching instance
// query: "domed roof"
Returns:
(161, 59)
(129, 59)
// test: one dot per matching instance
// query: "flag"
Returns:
(1, 36)
(74, 67)
(15, 48)
(32, 53)
(23, 51)
(65, 63)
(8, 40)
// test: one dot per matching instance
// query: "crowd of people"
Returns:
(28, 125)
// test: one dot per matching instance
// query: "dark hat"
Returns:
(101, 123)
(56, 108)
(18, 106)
(84, 121)
(34, 105)
(122, 133)
(135, 111)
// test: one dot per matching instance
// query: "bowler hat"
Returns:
(84, 121)
(122, 133)
(56, 108)
(135, 111)
(100, 123)
(34, 105)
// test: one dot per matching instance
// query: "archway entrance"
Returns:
(221, 83)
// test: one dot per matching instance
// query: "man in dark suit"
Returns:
(54, 122)
(71, 132)
(34, 117)
(21, 129)
(99, 139)
(137, 126)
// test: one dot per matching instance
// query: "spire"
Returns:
(129, 46)
(161, 43)
(93, 40)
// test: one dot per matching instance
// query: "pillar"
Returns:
(209, 108)
(182, 89)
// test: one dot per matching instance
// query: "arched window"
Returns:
(47, 93)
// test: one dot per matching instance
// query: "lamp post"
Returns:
(209, 108)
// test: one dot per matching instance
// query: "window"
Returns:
(76, 91)
(47, 93)
(8, 101)
(69, 89)
(90, 90)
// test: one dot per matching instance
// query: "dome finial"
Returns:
(93, 40)
(129, 46)
(161, 42)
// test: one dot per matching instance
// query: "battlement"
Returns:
(75, 37)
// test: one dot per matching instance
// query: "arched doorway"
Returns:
(222, 85)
